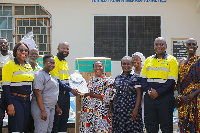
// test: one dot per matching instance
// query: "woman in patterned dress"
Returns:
(127, 113)
(95, 104)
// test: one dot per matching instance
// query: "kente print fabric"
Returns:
(94, 112)
(189, 114)
(123, 104)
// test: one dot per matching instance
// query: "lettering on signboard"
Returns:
(179, 50)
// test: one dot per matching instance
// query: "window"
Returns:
(26, 18)
(117, 36)
(110, 36)
(6, 27)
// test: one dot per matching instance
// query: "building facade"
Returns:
(101, 28)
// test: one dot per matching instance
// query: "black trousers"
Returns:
(30, 125)
(159, 111)
(60, 121)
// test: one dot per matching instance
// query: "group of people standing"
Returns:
(40, 96)
(115, 105)
(36, 99)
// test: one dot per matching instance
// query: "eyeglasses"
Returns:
(51, 63)
(21, 50)
(5, 43)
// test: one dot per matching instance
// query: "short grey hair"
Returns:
(160, 38)
(127, 58)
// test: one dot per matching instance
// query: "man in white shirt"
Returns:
(5, 56)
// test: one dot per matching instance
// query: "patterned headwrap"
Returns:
(141, 57)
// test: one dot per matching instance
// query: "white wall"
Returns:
(72, 21)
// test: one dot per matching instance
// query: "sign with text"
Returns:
(178, 47)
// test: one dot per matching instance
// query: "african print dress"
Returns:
(94, 112)
(123, 104)
(189, 114)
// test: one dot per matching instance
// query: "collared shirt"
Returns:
(5, 59)
(17, 79)
(49, 87)
(37, 68)
(159, 74)
(127, 84)
(61, 72)
(60, 57)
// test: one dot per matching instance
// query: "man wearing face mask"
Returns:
(5, 56)
(61, 72)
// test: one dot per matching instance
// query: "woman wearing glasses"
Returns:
(127, 113)
(44, 101)
(17, 81)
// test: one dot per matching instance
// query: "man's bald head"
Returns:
(63, 43)
(160, 39)
(63, 49)
(191, 40)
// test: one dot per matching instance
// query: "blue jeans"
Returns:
(19, 121)
(60, 121)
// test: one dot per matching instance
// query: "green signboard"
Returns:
(87, 65)
(40, 61)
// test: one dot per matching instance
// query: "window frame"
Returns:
(15, 17)
(127, 38)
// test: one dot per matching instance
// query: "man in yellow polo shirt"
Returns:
(159, 75)
(61, 73)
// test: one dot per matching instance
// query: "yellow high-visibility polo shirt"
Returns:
(160, 70)
(17, 79)
(61, 70)
(159, 74)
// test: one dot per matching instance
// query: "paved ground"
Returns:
(72, 130)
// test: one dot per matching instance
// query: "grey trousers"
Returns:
(42, 126)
